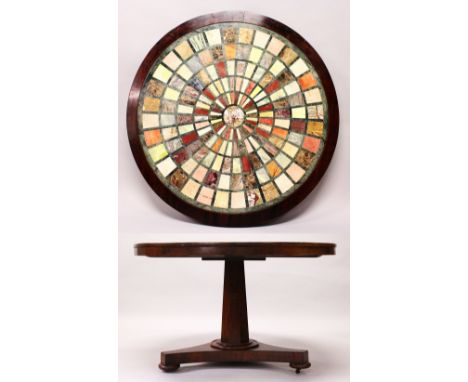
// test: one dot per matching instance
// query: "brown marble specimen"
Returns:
(178, 178)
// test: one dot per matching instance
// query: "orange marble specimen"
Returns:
(312, 144)
(230, 51)
(315, 128)
(152, 137)
(151, 104)
(307, 81)
(273, 169)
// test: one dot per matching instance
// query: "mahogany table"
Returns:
(235, 345)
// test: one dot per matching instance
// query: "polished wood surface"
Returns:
(234, 345)
(241, 250)
(297, 359)
(252, 218)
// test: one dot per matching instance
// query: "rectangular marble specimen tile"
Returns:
(171, 94)
(296, 100)
(266, 60)
(243, 52)
(173, 145)
(283, 123)
(230, 51)
(279, 94)
(217, 53)
(280, 132)
(172, 61)
(155, 88)
(226, 167)
(277, 67)
(262, 175)
(213, 36)
(249, 69)
(290, 149)
(258, 74)
(178, 178)
(194, 64)
(307, 81)
(184, 72)
(229, 35)
(283, 183)
(149, 120)
(152, 137)
(275, 46)
(169, 132)
(287, 55)
(270, 192)
(237, 183)
(168, 106)
(191, 188)
(176, 82)
(295, 172)
(315, 128)
(151, 104)
(224, 182)
(261, 39)
(273, 169)
(206, 195)
(254, 197)
(292, 88)
(162, 73)
(245, 35)
(283, 160)
(298, 67)
(238, 200)
(167, 119)
(184, 50)
(217, 163)
(315, 112)
(266, 79)
(312, 144)
(166, 166)
(304, 158)
(297, 126)
(205, 57)
(198, 42)
(221, 199)
(313, 96)
(183, 109)
(204, 77)
(296, 138)
(158, 152)
(189, 166)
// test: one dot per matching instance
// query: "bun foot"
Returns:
(168, 368)
(298, 367)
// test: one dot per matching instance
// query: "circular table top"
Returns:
(232, 118)
(246, 250)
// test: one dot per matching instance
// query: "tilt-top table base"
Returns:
(235, 344)
(297, 359)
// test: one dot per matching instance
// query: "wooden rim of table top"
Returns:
(253, 218)
(235, 250)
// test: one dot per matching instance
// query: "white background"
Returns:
(167, 304)
(58, 205)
